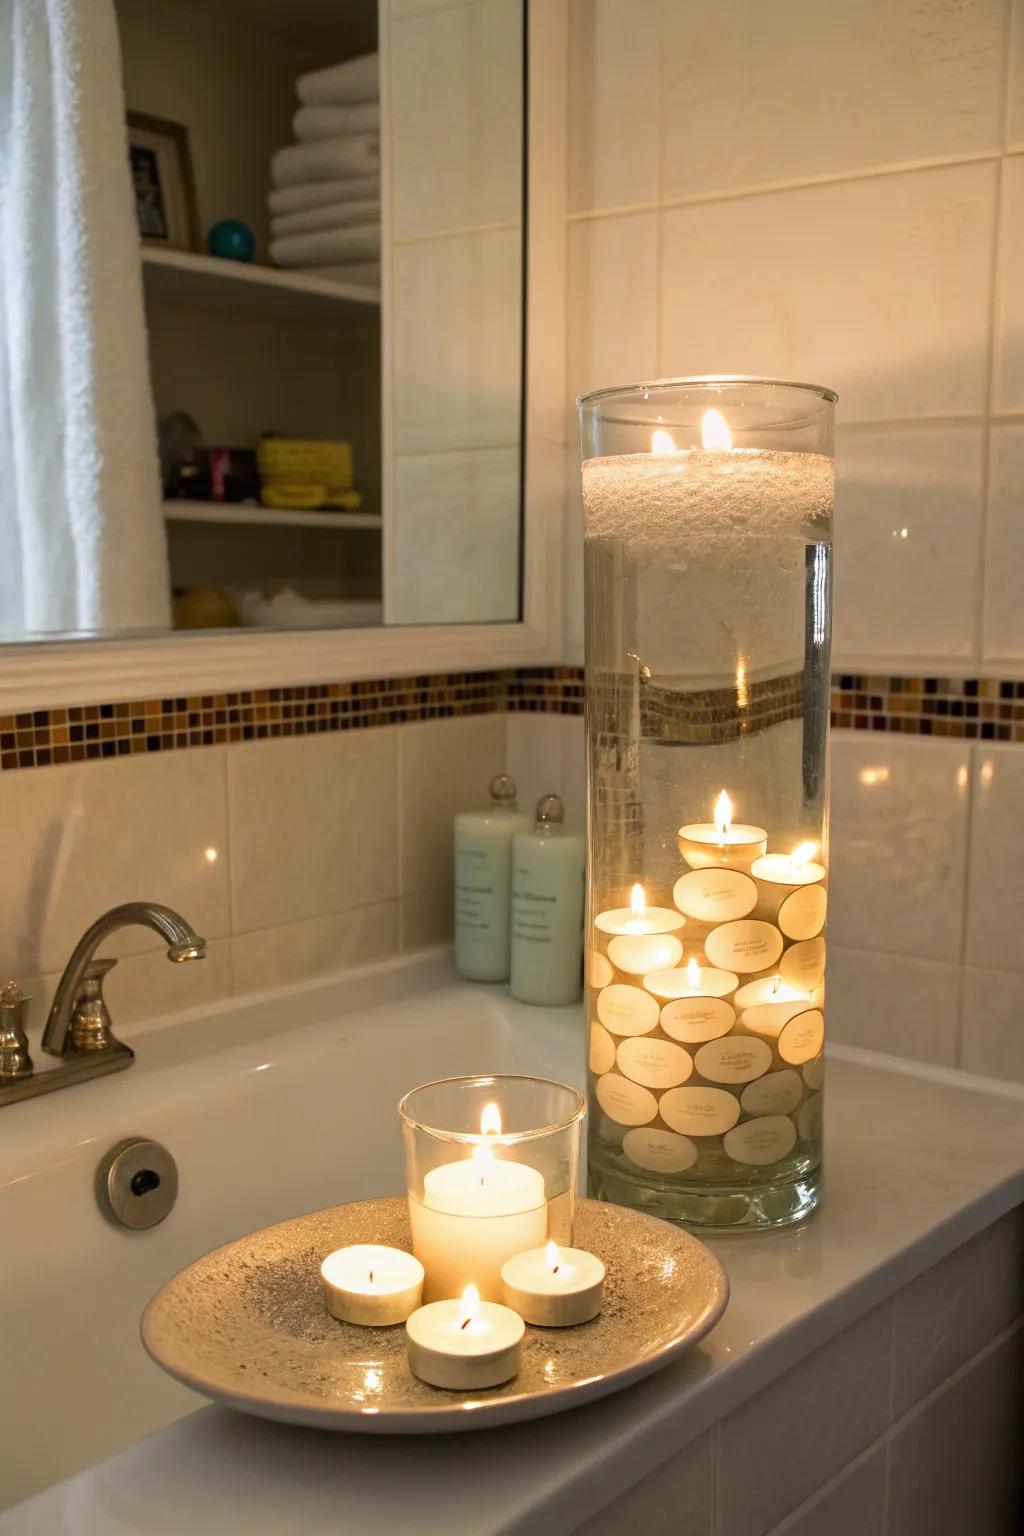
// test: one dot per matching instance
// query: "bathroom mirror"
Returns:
(331, 196)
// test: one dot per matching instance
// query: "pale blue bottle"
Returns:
(547, 910)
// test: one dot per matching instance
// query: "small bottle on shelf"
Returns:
(547, 910)
(483, 876)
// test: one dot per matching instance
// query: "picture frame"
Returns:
(163, 181)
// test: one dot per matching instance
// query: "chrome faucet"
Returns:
(78, 1030)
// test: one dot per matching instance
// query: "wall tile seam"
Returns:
(796, 184)
(298, 922)
(456, 232)
(819, 1494)
(898, 1425)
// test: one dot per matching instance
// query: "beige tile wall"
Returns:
(908, 1423)
(292, 857)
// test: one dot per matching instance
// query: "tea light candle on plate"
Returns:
(643, 938)
(554, 1287)
(465, 1344)
(475, 1214)
(372, 1285)
(790, 892)
(703, 843)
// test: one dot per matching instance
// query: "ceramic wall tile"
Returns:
(846, 289)
(898, 844)
(675, 1500)
(313, 826)
(457, 339)
(800, 1431)
(894, 1003)
(613, 103)
(1003, 635)
(574, 772)
(425, 919)
(456, 537)
(809, 73)
(854, 1505)
(613, 304)
(82, 839)
(908, 542)
(992, 1025)
(956, 1467)
(445, 767)
(274, 957)
(1008, 383)
(995, 895)
(533, 756)
(939, 1324)
(456, 118)
(1015, 104)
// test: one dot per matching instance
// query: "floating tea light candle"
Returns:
(697, 1010)
(790, 891)
(644, 938)
(554, 1287)
(720, 842)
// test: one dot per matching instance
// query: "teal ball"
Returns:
(232, 240)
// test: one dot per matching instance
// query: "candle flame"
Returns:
(637, 903)
(693, 975)
(490, 1120)
(714, 430)
(662, 442)
(470, 1306)
(552, 1257)
(723, 815)
(802, 854)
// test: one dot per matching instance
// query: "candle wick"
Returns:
(465, 1325)
(371, 1276)
(556, 1269)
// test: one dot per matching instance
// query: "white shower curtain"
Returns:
(82, 541)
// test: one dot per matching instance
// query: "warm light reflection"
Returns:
(961, 776)
(552, 1257)
(714, 430)
(693, 975)
(723, 815)
(490, 1120)
(987, 770)
(742, 692)
(802, 854)
(662, 442)
(873, 776)
(637, 903)
(210, 855)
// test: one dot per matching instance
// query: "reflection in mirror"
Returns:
(266, 369)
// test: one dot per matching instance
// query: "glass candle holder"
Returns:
(708, 561)
(491, 1166)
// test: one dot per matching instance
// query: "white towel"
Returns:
(328, 122)
(354, 80)
(82, 542)
(327, 246)
(316, 194)
(364, 274)
(354, 155)
(313, 221)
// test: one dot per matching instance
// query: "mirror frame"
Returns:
(51, 673)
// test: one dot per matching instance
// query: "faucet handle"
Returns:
(15, 1060)
(90, 1022)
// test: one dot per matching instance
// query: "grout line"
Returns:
(714, 1468)
(795, 184)
(457, 232)
(956, 1377)
(791, 1522)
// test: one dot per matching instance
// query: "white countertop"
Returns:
(918, 1162)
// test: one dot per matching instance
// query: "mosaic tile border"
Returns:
(985, 709)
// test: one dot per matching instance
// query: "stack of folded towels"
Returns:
(325, 200)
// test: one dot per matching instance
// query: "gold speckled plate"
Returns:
(246, 1325)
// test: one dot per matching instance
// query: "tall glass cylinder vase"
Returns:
(708, 609)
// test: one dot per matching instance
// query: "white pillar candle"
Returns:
(721, 842)
(475, 1214)
(371, 1285)
(554, 1287)
(790, 891)
(464, 1345)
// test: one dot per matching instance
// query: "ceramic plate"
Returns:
(246, 1325)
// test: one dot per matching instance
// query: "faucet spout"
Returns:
(183, 943)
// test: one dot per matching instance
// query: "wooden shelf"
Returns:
(183, 277)
(241, 512)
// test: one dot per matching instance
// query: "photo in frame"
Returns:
(163, 182)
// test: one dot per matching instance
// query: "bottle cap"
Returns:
(550, 811)
(503, 788)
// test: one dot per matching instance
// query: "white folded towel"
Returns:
(355, 155)
(331, 216)
(327, 246)
(364, 274)
(329, 122)
(317, 194)
(354, 80)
